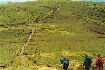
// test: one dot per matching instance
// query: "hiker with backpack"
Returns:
(65, 63)
(87, 62)
(99, 62)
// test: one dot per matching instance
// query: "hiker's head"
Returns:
(86, 55)
(99, 55)
(61, 58)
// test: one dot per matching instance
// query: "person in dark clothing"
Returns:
(65, 63)
(87, 62)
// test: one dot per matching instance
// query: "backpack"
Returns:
(99, 62)
(87, 61)
(64, 61)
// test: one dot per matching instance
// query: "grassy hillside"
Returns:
(62, 28)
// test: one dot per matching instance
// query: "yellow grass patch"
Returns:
(74, 65)
(68, 53)
(51, 55)
(46, 68)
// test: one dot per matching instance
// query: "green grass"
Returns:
(63, 32)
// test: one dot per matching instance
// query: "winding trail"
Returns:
(23, 47)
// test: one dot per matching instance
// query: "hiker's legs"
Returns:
(99, 68)
(102, 67)
(64, 69)
(87, 68)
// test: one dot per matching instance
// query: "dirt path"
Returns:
(23, 47)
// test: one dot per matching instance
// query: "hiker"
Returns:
(65, 63)
(87, 62)
(99, 62)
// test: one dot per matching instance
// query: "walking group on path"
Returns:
(99, 62)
